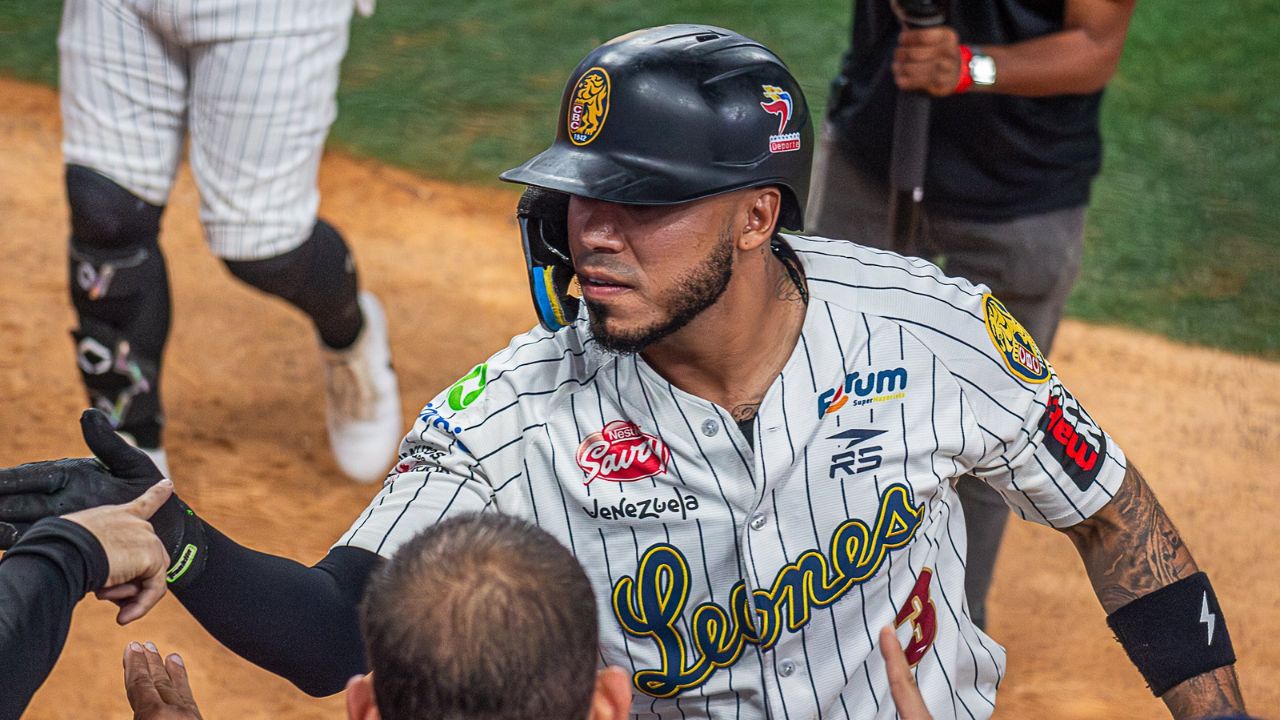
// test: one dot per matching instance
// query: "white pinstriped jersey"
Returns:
(750, 580)
(251, 82)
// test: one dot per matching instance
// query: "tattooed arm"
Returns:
(1131, 548)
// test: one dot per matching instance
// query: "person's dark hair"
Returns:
(481, 617)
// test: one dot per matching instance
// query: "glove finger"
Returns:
(39, 477)
(122, 459)
(39, 490)
(29, 508)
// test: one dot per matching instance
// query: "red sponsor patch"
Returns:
(1072, 437)
(622, 452)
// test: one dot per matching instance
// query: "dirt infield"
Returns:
(247, 443)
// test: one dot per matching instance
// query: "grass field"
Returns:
(1184, 230)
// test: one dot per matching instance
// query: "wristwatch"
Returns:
(982, 68)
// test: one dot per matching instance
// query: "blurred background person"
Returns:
(252, 84)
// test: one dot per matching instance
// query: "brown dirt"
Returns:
(247, 441)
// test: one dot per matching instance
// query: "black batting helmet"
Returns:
(676, 113)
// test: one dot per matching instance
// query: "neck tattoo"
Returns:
(744, 413)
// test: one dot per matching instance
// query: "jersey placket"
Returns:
(785, 674)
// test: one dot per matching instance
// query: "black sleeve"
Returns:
(41, 580)
(296, 621)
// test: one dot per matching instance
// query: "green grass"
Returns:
(1184, 228)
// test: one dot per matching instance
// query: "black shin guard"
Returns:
(120, 290)
(318, 277)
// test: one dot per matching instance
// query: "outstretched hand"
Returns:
(31, 492)
(158, 689)
(136, 558)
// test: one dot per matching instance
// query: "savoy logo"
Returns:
(622, 452)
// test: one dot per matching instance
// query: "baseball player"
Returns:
(749, 438)
(252, 84)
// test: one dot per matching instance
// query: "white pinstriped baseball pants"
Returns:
(252, 82)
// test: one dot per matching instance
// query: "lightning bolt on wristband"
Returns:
(1174, 633)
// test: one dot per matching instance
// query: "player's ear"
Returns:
(361, 704)
(612, 698)
(761, 206)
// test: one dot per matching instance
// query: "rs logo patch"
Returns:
(920, 611)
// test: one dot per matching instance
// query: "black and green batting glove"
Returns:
(118, 474)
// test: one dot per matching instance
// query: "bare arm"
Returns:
(1079, 59)
(1131, 548)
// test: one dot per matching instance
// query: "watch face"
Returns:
(983, 70)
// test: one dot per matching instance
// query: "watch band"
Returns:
(966, 75)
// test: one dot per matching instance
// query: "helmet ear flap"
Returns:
(543, 216)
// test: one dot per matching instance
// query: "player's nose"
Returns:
(595, 225)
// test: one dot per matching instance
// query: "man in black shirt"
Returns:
(1013, 148)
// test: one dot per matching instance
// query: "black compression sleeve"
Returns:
(41, 580)
(296, 621)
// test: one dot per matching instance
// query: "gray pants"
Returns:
(1029, 263)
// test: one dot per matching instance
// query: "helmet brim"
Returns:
(580, 172)
(576, 171)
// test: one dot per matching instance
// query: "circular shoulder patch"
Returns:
(1015, 344)
(588, 106)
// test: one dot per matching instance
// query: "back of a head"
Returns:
(482, 617)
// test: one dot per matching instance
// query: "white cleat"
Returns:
(363, 408)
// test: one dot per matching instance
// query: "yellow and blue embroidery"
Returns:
(652, 603)
(1016, 346)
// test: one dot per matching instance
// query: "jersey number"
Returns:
(921, 613)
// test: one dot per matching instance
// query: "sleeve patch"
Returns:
(1015, 344)
(1072, 437)
(469, 387)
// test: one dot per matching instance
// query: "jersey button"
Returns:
(787, 668)
(710, 427)
(758, 521)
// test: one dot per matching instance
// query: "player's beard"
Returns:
(694, 291)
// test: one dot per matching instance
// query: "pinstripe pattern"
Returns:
(253, 84)
(764, 520)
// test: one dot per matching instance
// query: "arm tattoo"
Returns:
(1131, 548)
(1218, 689)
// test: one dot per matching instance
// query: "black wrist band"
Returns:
(1174, 633)
(182, 533)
